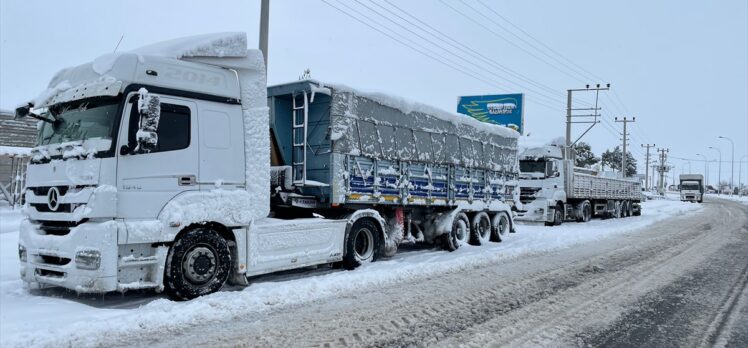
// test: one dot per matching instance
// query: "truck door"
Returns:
(147, 181)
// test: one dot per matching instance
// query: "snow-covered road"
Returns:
(400, 295)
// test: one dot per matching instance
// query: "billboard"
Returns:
(502, 109)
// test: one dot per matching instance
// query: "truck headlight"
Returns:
(22, 253)
(88, 259)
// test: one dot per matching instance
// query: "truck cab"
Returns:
(692, 188)
(541, 183)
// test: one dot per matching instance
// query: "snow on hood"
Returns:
(410, 106)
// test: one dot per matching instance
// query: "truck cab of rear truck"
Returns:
(153, 171)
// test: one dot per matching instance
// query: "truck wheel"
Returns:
(629, 208)
(361, 244)
(459, 235)
(637, 212)
(198, 264)
(499, 227)
(624, 209)
(481, 229)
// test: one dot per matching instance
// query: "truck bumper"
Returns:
(84, 259)
(535, 212)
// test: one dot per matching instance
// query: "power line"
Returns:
(507, 40)
(590, 75)
(455, 43)
(431, 54)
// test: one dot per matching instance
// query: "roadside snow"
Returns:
(734, 198)
(30, 319)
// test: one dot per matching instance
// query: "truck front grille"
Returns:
(47, 273)
(54, 260)
(57, 228)
(44, 208)
(527, 194)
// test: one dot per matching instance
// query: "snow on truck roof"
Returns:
(407, 106)
(110, 73)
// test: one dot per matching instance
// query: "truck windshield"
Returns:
(530, 166)
(79, 120)
(689, 186)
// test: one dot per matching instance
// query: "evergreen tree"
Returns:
(612, 159)
(584, 156)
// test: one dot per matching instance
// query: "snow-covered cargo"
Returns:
(552, 190)
(376, 149)
(153, 170)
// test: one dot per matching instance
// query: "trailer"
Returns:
(553, 190)
(175, 168)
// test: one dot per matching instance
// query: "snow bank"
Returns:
(29, 320)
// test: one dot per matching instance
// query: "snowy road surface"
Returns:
(675, 276)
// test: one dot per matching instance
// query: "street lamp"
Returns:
(706, 169)
(719, 172)
(732, 168)
(740, 174)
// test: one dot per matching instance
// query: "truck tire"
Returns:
(637, 212)
(480, 231)
(459, 235)
(198, 264)
(629, 208)
(499, 227)
(624, 209)
(361, 244)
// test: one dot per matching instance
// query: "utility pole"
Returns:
(646, 167)
(662, 169)
(706, 169)
(625, 140)
(569, 148)
(264, 26)
(732, 167)
(719, 170)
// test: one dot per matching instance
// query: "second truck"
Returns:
(692, 188)
(553, 190)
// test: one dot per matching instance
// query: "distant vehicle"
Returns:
(692, 188)
(710, 189)
(552, 190)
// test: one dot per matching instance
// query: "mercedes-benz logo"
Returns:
(53, 198)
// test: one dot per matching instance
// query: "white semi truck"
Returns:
(553, 190)
(692, 188)
(153, 171)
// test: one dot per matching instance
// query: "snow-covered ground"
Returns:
(53, 317)
(735, 198)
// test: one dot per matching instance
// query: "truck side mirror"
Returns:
(149, 108)
(23, 111)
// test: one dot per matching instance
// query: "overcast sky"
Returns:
(680, 67)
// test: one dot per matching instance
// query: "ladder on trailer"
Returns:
(299, 138)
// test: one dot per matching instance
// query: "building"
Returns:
(17, 137)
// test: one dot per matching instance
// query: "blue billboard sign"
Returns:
(502, 109)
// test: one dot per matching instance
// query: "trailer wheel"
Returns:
(499, 227)
(617, 209)
(459, 235)
(481, 229)
(585, 211)
(361, 245)
(624, 209)
(629, 208)
(638, 211)
(198, 264)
